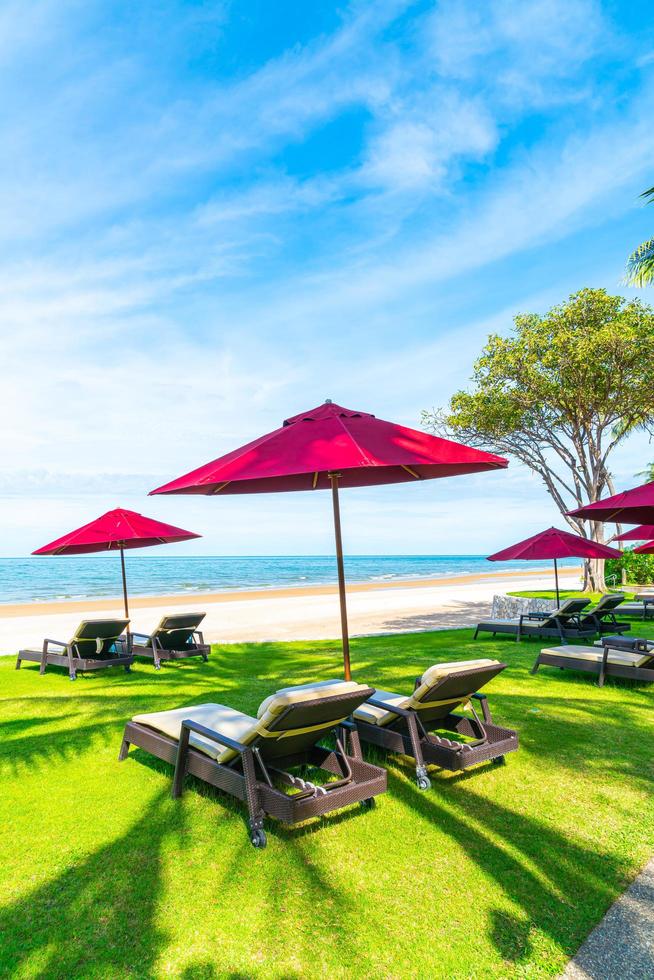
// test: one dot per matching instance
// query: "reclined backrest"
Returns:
(571, 607)
(441, 689)
(293, 719)
(606, 604)
(176, 632)
(95, 638)
(444, 687)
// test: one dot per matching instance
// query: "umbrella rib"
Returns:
(412, 472)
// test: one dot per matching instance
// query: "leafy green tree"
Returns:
(640, 265)
(559, 394)
(637, 569)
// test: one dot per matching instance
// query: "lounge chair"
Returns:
(643, 607)
(175, 638)
(97, 643)
(562, 623)
(602, 617)
(612, 656)
(250, 757)
(402, 723)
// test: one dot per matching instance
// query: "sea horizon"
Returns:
(62, 578)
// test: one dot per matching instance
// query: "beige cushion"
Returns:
(377, 716)
(623, 658)
(218, 717)
(281, 699)
(237, 725)
(437, 671)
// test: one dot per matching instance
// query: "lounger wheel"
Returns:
(258, 838)
(128, 670)
(499, 761)
(157, 666)
(369, 804)
(423, 782)
(73, 677)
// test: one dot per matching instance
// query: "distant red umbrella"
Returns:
(629, 507)
(330, 447)
(644, 532)
(117, 530)
(645, 549)
(555, 544)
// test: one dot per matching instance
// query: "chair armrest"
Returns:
(231, 743)
(391, 707)
(56, 643)
(535, 615)
(485, 710)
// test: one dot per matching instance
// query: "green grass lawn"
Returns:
(570, 594)
(499, 872)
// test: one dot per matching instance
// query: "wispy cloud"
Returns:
(190, 251)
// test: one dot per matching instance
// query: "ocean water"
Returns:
(91, 576)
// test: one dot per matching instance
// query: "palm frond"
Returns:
(640, 265)
(649, 195)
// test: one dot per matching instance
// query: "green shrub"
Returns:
(639, 568)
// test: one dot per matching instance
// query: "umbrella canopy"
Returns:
(629, 507)
(555, 544)
(117, 530)
(644, 532)
(330, 447)
(308, 448)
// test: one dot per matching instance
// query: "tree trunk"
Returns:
(594, 580)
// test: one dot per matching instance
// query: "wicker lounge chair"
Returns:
(612, 656)
(175, 638)
(602, 617)
(97, 643)
(562, 623)
(249, 758)
(402, 723)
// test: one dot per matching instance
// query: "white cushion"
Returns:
(623, 658)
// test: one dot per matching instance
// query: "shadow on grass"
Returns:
(98, 913)
(545, 874)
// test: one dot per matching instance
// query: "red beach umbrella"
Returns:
(629, 507)
(117, 530)
(327, 448)
(555, 544)
(644, 532)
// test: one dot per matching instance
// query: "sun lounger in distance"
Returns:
(251, 758)
(409, 724)
(602, 618)
(562, 623)
(175, 638)
(612, 656)
(642, 605)
(97, 643)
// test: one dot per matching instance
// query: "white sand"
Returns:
(292, 615)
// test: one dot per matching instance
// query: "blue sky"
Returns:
(215, 215)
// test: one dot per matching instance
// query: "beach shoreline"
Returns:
(287, 614)
(109, 603)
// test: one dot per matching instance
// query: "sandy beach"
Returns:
(289, 614)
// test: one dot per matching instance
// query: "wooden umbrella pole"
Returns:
(556, 579)
(341, 574)
(122, 568)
